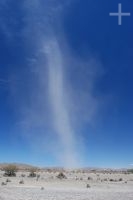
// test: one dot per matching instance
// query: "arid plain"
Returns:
(57, 184)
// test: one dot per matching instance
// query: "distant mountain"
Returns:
(20, 166)
(27, 167)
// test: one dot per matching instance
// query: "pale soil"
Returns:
(69, 189)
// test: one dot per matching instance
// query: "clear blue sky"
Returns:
(96, 103)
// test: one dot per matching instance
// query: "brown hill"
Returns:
(20, 166)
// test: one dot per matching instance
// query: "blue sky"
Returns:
(66, 83)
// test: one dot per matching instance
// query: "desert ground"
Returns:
(76, 185)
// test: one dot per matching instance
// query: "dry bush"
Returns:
(32, 173)
(37, 177)
(21, 182)
(8, 180)
(112, 180)
(10, 170)
(61, 176)
(130, 171)
(23, 175)
(3, 183)
(88, 186)
(90, 178)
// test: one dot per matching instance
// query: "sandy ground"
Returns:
(49, 187)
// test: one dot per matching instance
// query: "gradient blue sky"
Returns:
(99, 76)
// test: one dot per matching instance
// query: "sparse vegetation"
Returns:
(8, 180)
(3, 183)
(37, 177)
(88, 186)
(90, 178)
(21, 182)
(61, 176)
(89, 181)
(22, 175)
(32, 173)
(111, 180)
(130, 171)
(10, 170)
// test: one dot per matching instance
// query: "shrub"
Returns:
(10, 170)
(130, 171)
(37, 177)
(112, 180)
(21, 182)
(22, 175)
(90, 178)
(8, 180)
(32, 173)
(88, 186)
(3, 183)
(61, 176)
